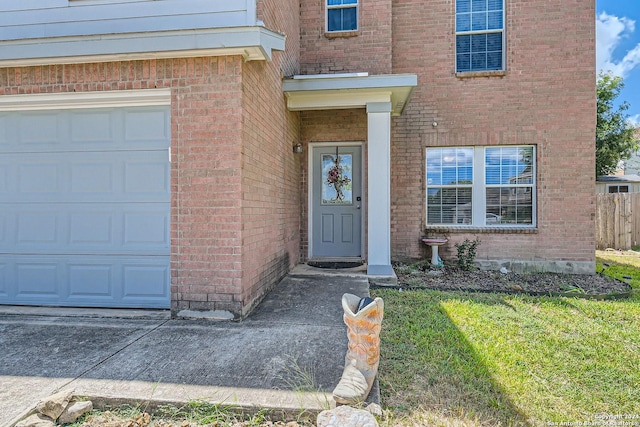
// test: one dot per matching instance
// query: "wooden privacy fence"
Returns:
(617, 220)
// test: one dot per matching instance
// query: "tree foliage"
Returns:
(614, 134)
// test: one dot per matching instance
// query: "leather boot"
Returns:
(363, 355)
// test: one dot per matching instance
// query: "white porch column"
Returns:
(379, 189)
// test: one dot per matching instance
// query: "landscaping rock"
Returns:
(375, 409)
(346, 416)
(36, 420)
(74, 411)
(55, 404)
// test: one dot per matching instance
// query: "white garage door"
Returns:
(84, 207)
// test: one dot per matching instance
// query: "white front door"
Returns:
(336, 202)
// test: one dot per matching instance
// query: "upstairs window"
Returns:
(479, 35)
(342, 15)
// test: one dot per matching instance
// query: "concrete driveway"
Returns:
(294, 341)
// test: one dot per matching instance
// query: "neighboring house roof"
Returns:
(618, 178)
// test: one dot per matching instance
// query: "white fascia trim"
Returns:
(70, 100)
(326, 92)
(253, 43)
(315, 82)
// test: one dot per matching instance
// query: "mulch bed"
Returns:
(451, 278)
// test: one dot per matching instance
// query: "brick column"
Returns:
(379, 185)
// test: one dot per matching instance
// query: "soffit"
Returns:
(341, 91)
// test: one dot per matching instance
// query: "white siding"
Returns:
(44, 32)
(603, 187)
(37, 19)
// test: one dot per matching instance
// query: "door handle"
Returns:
(357, 206)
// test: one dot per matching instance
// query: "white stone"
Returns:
(74, 411)
(375, 409)
(346, 416)
(36, 420)
(209, 315)
(53, 405)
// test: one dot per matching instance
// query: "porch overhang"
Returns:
(342, 91)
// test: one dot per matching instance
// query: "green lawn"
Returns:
(451, 358)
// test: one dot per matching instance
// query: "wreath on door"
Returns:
(337, 178)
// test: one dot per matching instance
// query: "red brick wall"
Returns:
(545, 98)
(206, 224)
(206, 145)
(368, 49)
(283, 16)
(270, 169)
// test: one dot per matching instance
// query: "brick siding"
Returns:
(368, 49)
(270, 168)
(546, 98)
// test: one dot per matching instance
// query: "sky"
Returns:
(618, 47)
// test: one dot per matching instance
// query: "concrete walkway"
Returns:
(295, 340)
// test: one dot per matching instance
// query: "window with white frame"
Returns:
(342, 15)
(479, 35)
(618, 188)
(481, 186)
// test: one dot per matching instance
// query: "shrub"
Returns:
(467, 253)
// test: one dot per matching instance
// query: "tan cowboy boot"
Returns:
(363, 356)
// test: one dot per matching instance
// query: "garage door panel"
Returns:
(92, 177)
(147, 128)
(4, 291)
(140, 281)
(147, 177)
(119, 177)
(37, 279)
(91, 280)
(93, 228)
(4, 134)
(96, 126)
(38, 128)
(88, 281)
(3, 178)
(39, 178)
(149, 125)
(124, 228)
(146, 228)
(38, 229)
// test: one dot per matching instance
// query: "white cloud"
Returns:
(634, 120)
(610, 30)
